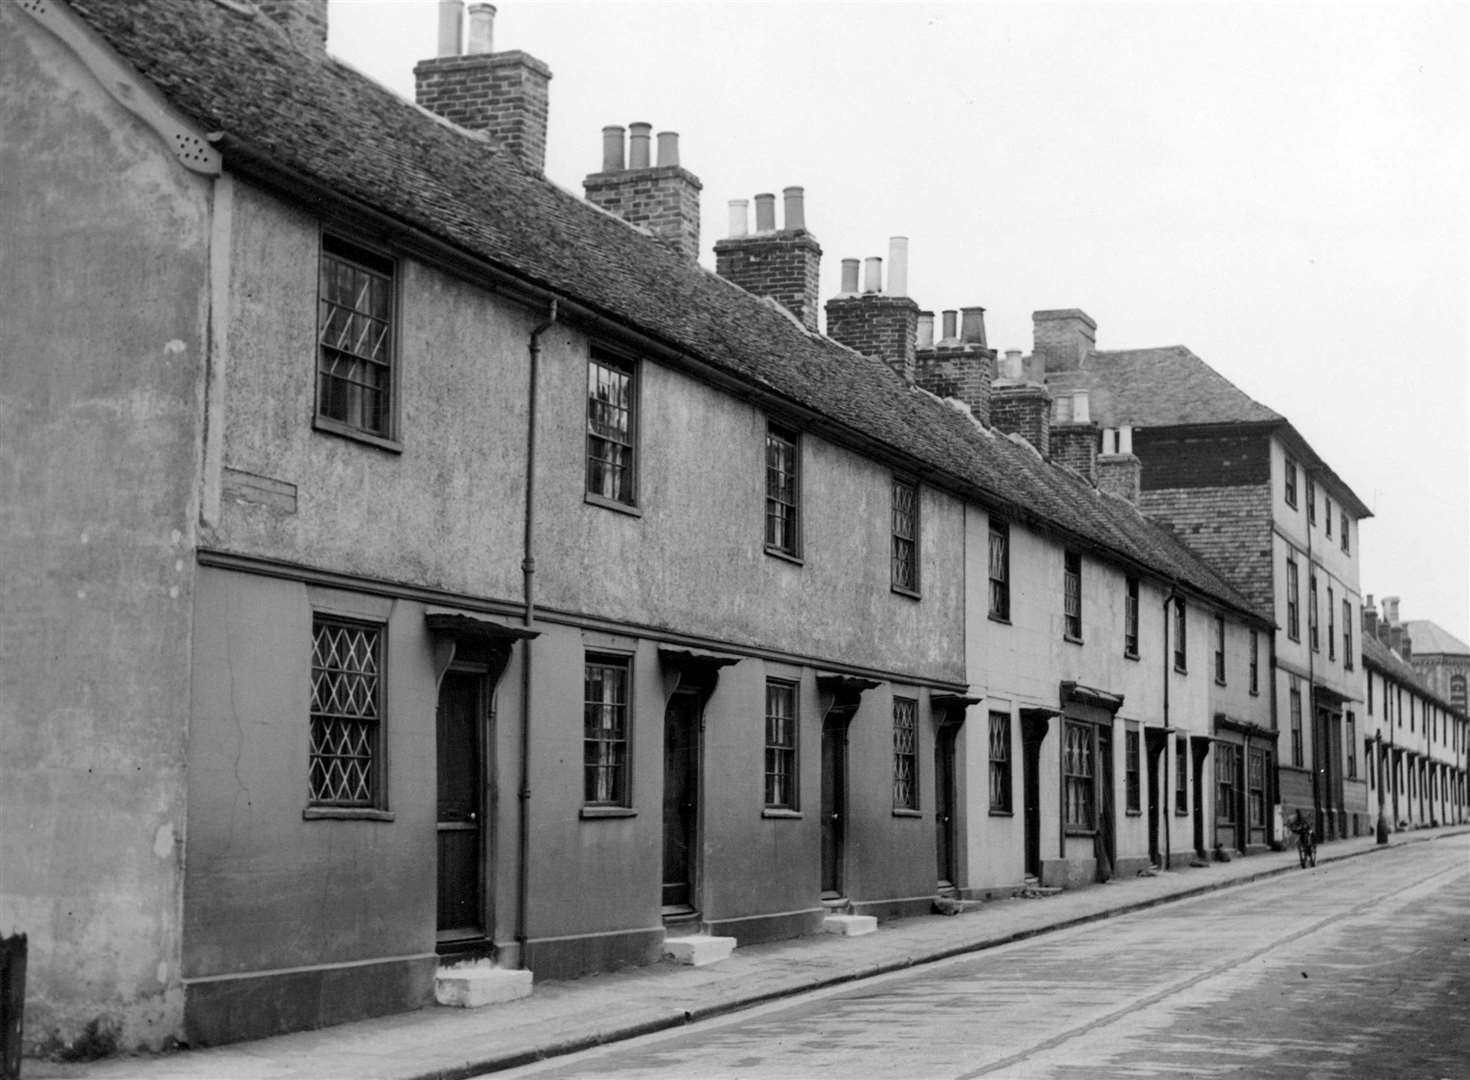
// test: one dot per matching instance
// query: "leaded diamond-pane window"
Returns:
(905, 536)
(1000, 762)
(782, 492)
(610, 429)
(1130, 619)
(1256, 783)
(905, 754)
(781, 787)
(1000, 570)
(1077, 776)
(605, 732)
(346, 716)
(355, 338)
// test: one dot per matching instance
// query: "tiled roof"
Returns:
(1428, 637)
(312, 116)
(1161, 387)
(1378, 655)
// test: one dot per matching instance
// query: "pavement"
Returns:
(560, 1017)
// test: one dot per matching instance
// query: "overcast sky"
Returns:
(1280, 187)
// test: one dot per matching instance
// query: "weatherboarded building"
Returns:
(426, 565)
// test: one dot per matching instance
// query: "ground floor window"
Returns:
(1256, 783)
(905, 754)
(1181, 774)
(1000, 762)
(781, 745)
(605, 732)
(346, 715)
(1226, 764)
(1132, 779)
(1078, 770)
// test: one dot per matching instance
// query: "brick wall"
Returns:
(1118, 474)
(505, 95)
(1023, 409)
(664, 199)
(1229, 526)
(1171, 460)
(1075, 445)
(965, 373)
(876, 325)
(783, 265)
(1063, 338)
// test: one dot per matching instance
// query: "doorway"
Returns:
(944, 804)
(681, 803)
(460, 736)
(1200, 748)
(834, 805)
(1107, 820)
(1033, 733)
(1155, 742)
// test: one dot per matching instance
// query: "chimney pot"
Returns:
(482, 29)
(972, 326)
(668, 148)
(1081, 413)
(926, 330)
(850, 270)
(1011, 367)
(898, 266)
(950, 332)
(872, 274)
(612, 148)
(639, 136)
(451, 27)
(739, 217)
(795, 208)
(1391, 610)
(765, 212)
(1125, 439)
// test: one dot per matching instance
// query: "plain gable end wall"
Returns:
(105, 291)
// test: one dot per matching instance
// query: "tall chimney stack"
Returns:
(1020, 404)
(783, 263)
(875, 323)
(1062, 339)
(504, 95)
(1119, 471)
(959, 365)
(1073, 442)
(660, 196)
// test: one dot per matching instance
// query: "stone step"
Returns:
(849, 925)
(697, 950)
(472, 986)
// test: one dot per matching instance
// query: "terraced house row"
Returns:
(430, 566)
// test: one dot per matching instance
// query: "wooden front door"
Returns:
(834, 805)
(681, 802)
(1107, 819)
(1154, 744)
(944, 803)
(1033, 731)
(462, 860)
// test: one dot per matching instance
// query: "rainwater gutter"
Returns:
(1167, 796)
(528, 577)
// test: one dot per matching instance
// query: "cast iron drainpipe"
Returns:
(528, 572)
(1168, 793)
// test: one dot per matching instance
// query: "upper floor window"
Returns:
(783, 491)
(1327, 515)
(1255, 668)
(1352, 746)
(345, 747)
(1000, 570)
(1000, 762)
(1130, 619)
(1347, 634)
(1368, 678)
(1297, 755)
(1290, 486)
(905, 754)
(611, 428)
(781, 718)
(1311, 501)
(1181, 635)
(1293, 599)
(1312, 611)
(1220, 649)
(605, 732)
(905, 525)
(1072, 593)
(1346, 546)
(1331, 624)
(354, 391)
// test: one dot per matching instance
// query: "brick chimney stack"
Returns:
(1119, 472)
(1370, 618)
(961, 365)
(1074, 437)
(304, 20)
(658, 195)
(1020, 403)
(780, 263)
(1062, 339)
(874, 323)
(505, 95)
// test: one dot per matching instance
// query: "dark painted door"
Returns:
(460, 755)
(681, 801)
(1031, 738)
(1107, 820)
(834, 805)
(1154, 745)
(944, 803)
(1201, 749)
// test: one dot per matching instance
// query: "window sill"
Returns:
(611, 504)
(1078, 830)
(1133, 813)
(899, 811)
(1255, 693)
(1073, 638)
(344, 813)
(780, 812)
(1004, 620)
(1219, 682)
(593, 813)
(784, 556)
(347, 431)
(1181, 813)
(1130, 655)
(1180, 669)
(994, 812)
(912, 594)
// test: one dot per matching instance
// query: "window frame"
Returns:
(375, 804)
(621, 743)
(1181, 775)
(1079, 777)
(1293, 598)
(1255, 788)
(1000, 768)
(1072, 595)
(1000, 587)
(1313, 637)
(1288, 486)
(1132, 770)
(372, 260)
(1298, 750)
(1348, 661)
(1255, 664)
(1226, 774)
(787, 512)
(1327, 515)
(1347, 546)
(906, 755)
(1181, 635)
(1350, 740)
(774, 799)
(905, 545)
(1130, 619)
(625, 496)
(1220, 649)
(1311, 500)
(1331, 623)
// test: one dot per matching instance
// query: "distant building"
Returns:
(1441, 659)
